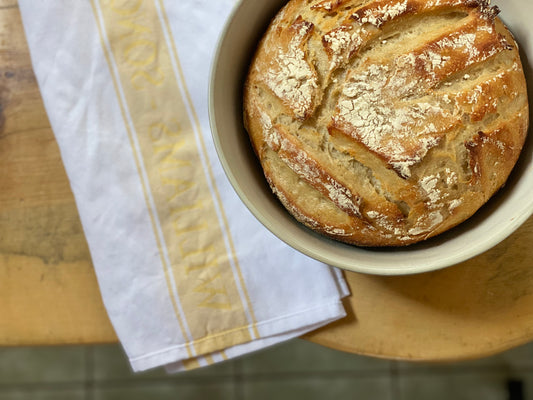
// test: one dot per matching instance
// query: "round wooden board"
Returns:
(471, 310)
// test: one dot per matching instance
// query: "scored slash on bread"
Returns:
(386, 122)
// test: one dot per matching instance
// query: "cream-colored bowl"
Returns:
(503, 214)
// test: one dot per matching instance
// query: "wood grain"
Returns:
(48, 289)
(49, 293)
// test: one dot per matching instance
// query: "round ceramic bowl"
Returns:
(502, 215)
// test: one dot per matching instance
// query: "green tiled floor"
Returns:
(44, 365)
(293, 370)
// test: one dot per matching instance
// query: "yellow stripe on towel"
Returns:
(180, 77)
(189, 222)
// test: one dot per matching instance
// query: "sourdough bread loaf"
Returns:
(386, 122)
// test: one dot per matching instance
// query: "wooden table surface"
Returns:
(49, 293)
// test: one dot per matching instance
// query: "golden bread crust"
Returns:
(386, 122)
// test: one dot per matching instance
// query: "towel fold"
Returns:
(188, 276)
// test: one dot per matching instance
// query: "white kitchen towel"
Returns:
(187, 275)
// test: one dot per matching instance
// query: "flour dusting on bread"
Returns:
(386, 122)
